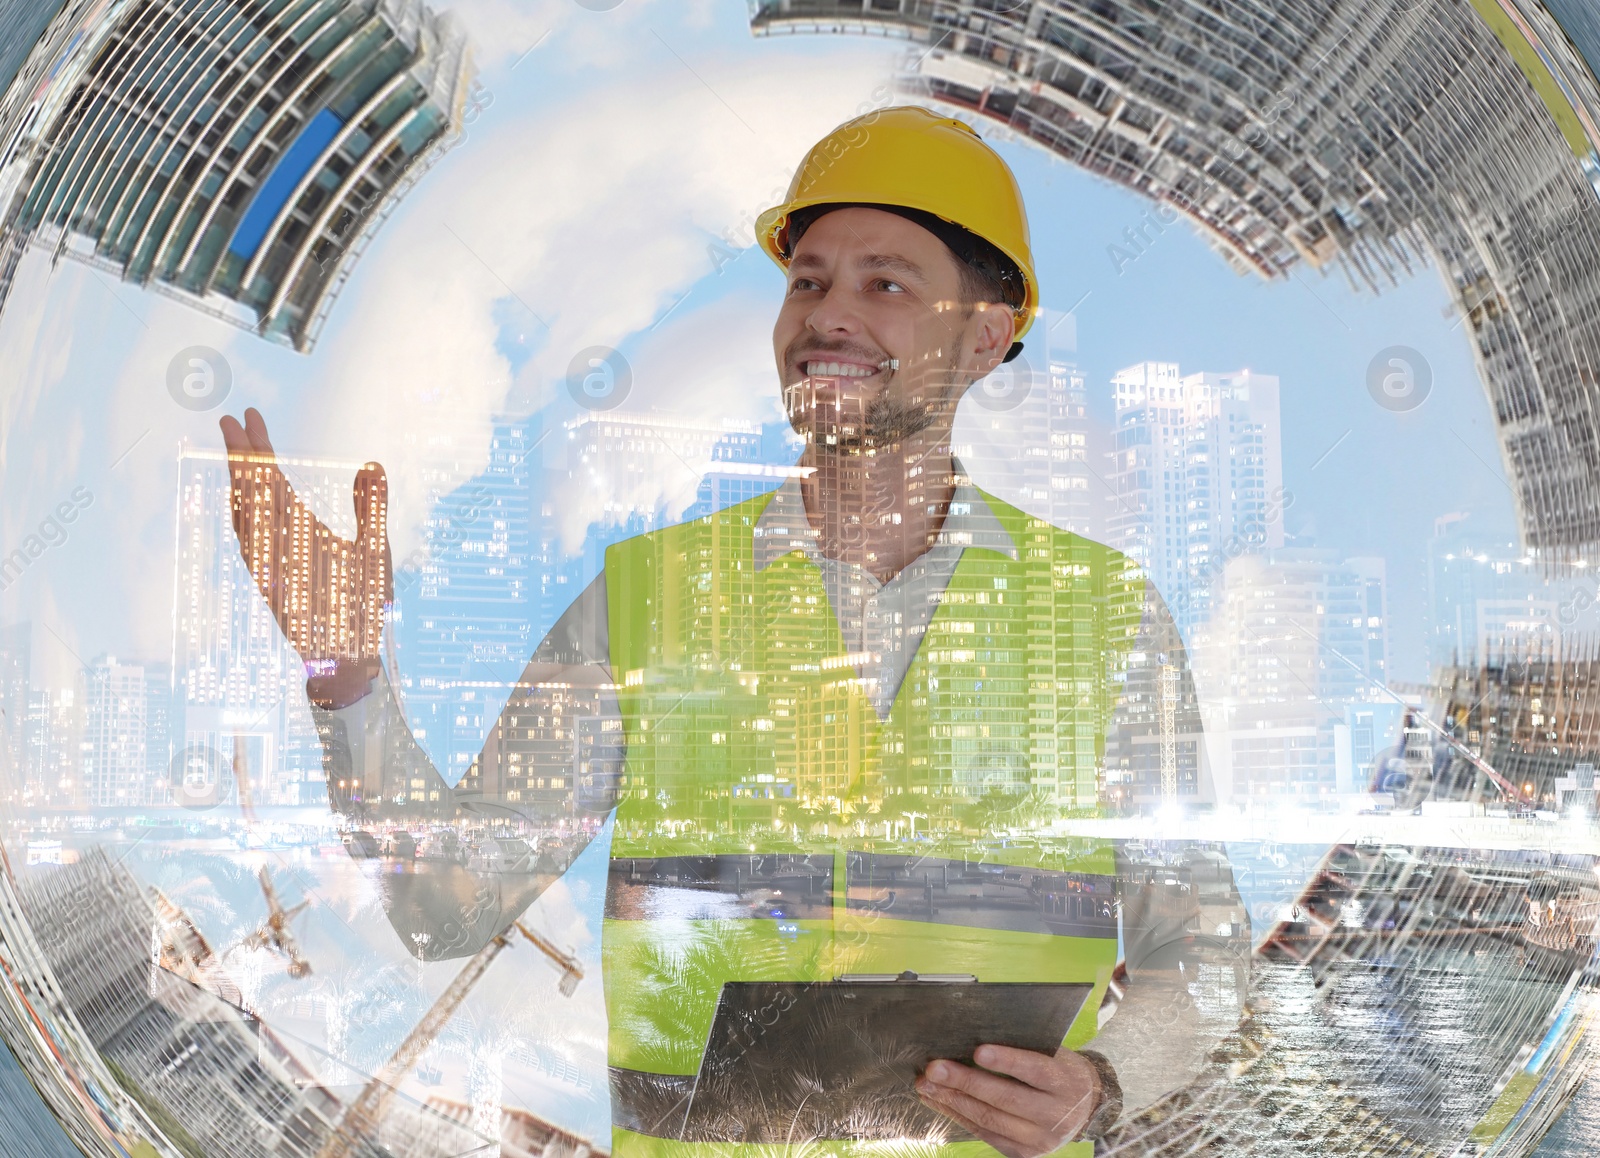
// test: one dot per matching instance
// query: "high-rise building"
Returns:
(627, 454)
(538, 749)
(1155, 754)
(639, 460)
(1372, 140)
(188, 1055)
(1040, 678)
(1372, 582)
(160, 735)
(1025, 431)
(1294, 643)
(1532, 716)
(37, 741)
(55, 757)
(557, 573)
(1076, 494)
(237, 156)
(522, 1135)
(1488, 599)
(497, 570)
(1366, 734)
(464, 628)
(1196, 478)
(548, 736)
(742, 467)
(237, 686)
(114, 761)
(14, 671)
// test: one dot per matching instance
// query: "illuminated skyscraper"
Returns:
(743, 468)
(114, 772)
(1025, 431)
(1196, 477)
(471, 630)
(235, 155)
(1490, 601)
(14, 663)
(1076, 495)
(1294, 643)
(643, 458)
(465, 628)
(55, 758)
(237, 683)
(161, 737)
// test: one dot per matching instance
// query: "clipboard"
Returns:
(791, 1061)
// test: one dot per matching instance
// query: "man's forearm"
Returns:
(371, 760)
(376, 770)
(440, 909)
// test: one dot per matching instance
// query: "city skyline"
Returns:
(557, 571)
(493, 567)
(1196, 477)
(1176, 258)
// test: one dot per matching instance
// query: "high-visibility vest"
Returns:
(763, 822)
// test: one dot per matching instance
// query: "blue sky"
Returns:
(618, 147)
(1388, 475)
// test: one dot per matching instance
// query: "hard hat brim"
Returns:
(772, 226)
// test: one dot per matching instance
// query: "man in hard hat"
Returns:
(800, 679)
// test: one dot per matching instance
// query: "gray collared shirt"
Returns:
(882, 624)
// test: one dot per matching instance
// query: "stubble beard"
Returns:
(886, 420)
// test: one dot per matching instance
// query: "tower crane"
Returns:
(274, 933)
(361, 1120)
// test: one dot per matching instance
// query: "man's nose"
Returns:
(837, 313)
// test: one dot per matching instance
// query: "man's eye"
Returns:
(884, 283)
(802, 284)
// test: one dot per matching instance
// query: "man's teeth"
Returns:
(838, 370)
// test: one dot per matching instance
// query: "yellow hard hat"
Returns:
(911, 158)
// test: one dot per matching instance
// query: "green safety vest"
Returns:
(763, 821)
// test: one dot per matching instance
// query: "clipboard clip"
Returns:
(908, 975)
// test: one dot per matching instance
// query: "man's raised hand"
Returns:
(328, 594)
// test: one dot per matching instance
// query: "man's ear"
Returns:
(994, 324)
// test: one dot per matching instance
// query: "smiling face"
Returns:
(873, 343)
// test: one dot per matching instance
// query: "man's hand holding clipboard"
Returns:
(1020, 1102)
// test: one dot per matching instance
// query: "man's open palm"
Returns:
(328, 594)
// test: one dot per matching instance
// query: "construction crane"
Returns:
(1510, 790)
(273, 933)
(361, 1120)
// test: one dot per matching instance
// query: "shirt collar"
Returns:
(783, 527)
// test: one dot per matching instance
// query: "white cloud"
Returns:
(595, 209)
(502, 32)
(596, 216)
(86, 406)
(715, 364)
